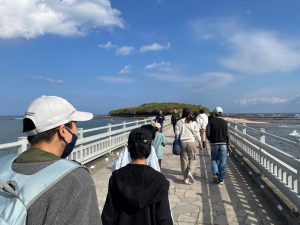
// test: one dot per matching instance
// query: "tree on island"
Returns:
(152, 109)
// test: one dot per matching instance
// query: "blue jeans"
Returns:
(219, 160)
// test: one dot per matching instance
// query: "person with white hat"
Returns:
(218, 136)
(51, 125)
(159, 142)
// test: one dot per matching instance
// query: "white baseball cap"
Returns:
(219, 110)
(157, 125)
(48, 112)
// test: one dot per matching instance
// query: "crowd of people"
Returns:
(137, 190)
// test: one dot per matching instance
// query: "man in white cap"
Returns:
(218, 136)
(51, 125)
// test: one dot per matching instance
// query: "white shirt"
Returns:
(202, 121)
(188, 132)
(124, 159)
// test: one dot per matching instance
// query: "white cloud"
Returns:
(32, 18)
(203, 82)
(160, 65)
(260, 52)
(115, 79)
(172, 78)
(55, 81)
(108, 45)
(252, 51)
(125, 50)
(125, 70)
(212, 80)
(255, 101)
(208, 29)
(154, 47)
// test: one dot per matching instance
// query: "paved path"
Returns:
(237, 202)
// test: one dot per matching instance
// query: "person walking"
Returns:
(218, 136)
(137, 194)
(174, 118)
(51, 126)
(160, 118)
(159, 143)
(202, 121)
(124, 157)
(188, 131)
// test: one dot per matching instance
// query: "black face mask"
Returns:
(69, 146)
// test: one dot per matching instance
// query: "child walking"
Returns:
(159, 142)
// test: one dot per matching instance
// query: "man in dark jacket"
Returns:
(137, 194)
(160, 118)
(218, 136)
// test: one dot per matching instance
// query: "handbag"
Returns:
(177, 148)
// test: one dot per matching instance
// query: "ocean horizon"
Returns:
(286, 125)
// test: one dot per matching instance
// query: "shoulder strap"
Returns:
(188, 128)
(30, 187)
(49, 176)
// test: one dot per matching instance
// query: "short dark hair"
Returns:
(47, 135)
(150, 128)
(186, 112)
(139, 143)
(201, 110)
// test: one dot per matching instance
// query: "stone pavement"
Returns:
(237, 202)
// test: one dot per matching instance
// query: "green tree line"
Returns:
(151, 109)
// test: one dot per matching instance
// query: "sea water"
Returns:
(11, 126)
(282, 125)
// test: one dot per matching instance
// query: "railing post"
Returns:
(136, 122)
(298, 179)
(298, 153)
(124, 124)
(23, 146)
(80, 136)
(80, 133)
(109, 130)
(244, 128)
(262, 133)
(109, 127)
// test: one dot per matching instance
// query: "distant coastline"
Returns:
(243, 120)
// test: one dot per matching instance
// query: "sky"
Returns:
(102, 55)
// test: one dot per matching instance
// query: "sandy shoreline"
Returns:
(240, 120)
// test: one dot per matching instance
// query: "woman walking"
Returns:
(188, 131)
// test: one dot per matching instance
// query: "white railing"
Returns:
(279, 167)
(92, 146)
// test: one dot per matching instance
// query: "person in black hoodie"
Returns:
(137, 194)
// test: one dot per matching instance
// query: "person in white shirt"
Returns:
(202, 121)
(124, 157)
(188, 131)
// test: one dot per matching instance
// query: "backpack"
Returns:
(18, 191)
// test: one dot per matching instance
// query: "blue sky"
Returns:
(102, 55)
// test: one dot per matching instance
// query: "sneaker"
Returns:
(186, 181)
(191, 178)
(220, 182)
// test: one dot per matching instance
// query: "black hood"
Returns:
(137, 186)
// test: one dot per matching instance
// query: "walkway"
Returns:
(239, 201)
